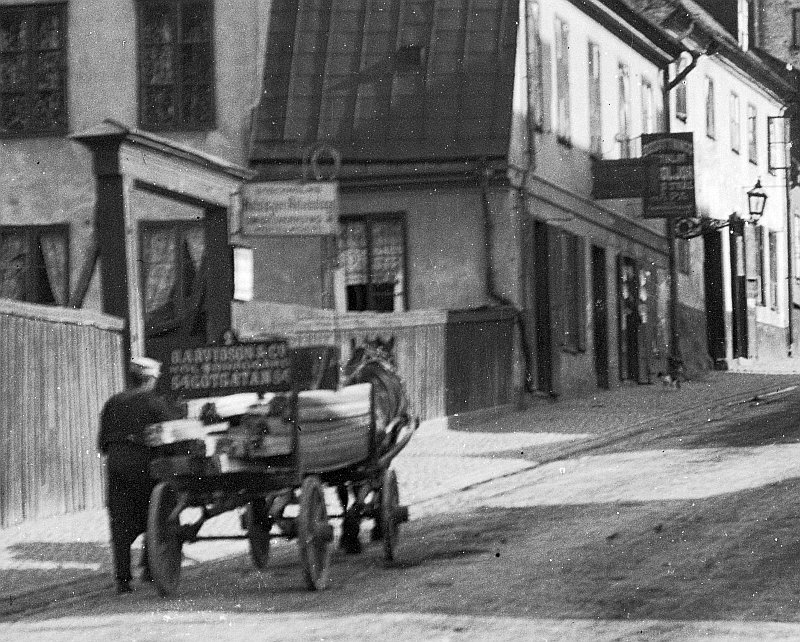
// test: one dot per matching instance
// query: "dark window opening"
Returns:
(33, 70)
(176, 64)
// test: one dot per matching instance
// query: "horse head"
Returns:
(376, 350)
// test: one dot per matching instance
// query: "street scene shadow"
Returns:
(727, 557)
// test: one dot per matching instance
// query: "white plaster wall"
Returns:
(723, 177)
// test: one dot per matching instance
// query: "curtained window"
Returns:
(563, 129)
(173, 275)
(176, 64)
(34, 263)
(624, 110)
(372, 252)
(711, 120)
(595, 104)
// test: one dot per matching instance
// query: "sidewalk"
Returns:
(58, 558)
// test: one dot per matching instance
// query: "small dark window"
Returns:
(795, 27)
(34, 263)
(373, 257)
(176, 64)
(33, 70)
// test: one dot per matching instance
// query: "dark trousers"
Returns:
(128, 502)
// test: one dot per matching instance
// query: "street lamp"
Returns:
(756, 200)
(686, 228)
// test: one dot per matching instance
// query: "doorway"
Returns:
(542, 315)
(715, 306)
(629, 321)
(600, 308)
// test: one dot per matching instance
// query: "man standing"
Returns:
(122, 439)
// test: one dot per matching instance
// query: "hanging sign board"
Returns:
(219, 370)
(290, 208)
(669, 175)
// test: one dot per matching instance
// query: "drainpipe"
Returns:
(491, 289)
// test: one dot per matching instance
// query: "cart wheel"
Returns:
(391, 514)
(314, 534)
(164, 539)
(258, 527)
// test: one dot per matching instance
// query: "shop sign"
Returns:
(290, 208)
(669, 175)
(218, 370)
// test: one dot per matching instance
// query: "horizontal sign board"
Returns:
(290, 208)
(218, 370)
(669, 178)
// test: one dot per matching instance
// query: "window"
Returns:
(648, 108)
(680, 93)
(624, 110)
(562, 81)
(176, 65)
(535, 65)
(773, 270)
(762, 283)
(752, 140)
(33, 70)
(574, 286)
(34, 263)
(683, 256)
(711, 125)
(736, 123)
(173, 275)
(373, 256)
(795, 27)
(595, 106)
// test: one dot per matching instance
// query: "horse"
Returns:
(372, 362)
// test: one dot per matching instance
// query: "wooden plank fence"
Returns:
(451, 362)
(58, 367)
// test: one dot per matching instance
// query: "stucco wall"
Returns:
(50, 179)
(445, 242)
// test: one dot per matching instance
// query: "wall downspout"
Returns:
(491, 288)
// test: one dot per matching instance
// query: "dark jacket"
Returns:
(122, 428)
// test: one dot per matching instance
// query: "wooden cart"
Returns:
(283, 451)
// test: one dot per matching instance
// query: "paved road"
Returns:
(689, 529)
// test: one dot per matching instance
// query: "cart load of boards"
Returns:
(334, 427)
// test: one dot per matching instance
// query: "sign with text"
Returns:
(214, 371)
(669, 175)
(290, 208)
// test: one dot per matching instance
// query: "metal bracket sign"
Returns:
(290, 208)
(669, 175)
(218, 370)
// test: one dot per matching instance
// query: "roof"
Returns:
(113, 128)
(688, 20)
(387, 80)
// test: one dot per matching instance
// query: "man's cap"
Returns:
(145, 367)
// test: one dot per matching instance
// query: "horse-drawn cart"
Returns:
(273, 454)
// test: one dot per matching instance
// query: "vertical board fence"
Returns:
(450, 361)
(58, 367)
